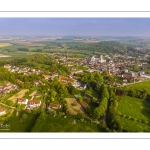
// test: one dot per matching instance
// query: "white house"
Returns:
(2, 111)
(34, 103)
(22, 101)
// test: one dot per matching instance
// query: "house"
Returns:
(2, 111)
(66, 79)
(34, 103)
(55, 106)
(7, 66)
(22, 101)
(84, 104)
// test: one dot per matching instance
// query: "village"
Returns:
(116, 65)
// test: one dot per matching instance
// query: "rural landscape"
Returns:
(74, 83)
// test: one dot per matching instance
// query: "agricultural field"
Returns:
(134, 113)
(140, 86)
(4, 44)
(60, 124)
(18, 95)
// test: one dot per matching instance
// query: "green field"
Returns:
(133, 126)
(135, 112)
(59, 124)
(140, 86)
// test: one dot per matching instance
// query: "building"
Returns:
(55, 106)
(2, 111)
(22, 101)
(34, 103)
(84, 104)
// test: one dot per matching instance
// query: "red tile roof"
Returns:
(21, 99)
(84, 104)
(2, 109)
(31, 102)
(55, 106)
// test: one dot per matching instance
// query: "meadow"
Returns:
(134, 114)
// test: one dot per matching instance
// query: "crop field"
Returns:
(140, 86)
(18, 95)
(4, 44)
(134, 114)
(60, 124)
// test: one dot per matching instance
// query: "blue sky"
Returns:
(75, 26)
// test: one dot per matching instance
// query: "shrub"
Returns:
(9, 103)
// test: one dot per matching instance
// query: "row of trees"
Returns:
(101, 109)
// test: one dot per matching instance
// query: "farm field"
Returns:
(140, 86)
(4, 44)
(58, 124)
(18, 95)
(74, 107)
(134, 114)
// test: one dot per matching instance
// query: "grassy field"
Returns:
(133, 126)
(134, 107)
(17, 126)
(140, 86)
(134, 111)
(18, 95)
(59, 124)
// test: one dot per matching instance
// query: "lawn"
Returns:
(60, 124)
(17, 126)
(140, 86)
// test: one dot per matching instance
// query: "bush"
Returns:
(9, 103)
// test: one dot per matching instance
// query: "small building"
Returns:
(55, 106)
(2, 111)
(7, 66)
(22, 101)
(84, 104)
(34, 103)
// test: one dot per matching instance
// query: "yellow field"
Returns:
(18, 95)
(4, 44)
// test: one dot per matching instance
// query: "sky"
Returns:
(75, 26)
